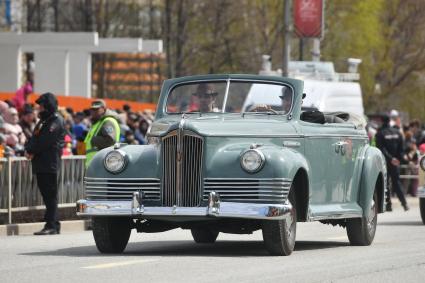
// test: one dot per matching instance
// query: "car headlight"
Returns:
(153, 140)
(252, 160)
(115, 161)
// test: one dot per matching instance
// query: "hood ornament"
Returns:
(182, 121)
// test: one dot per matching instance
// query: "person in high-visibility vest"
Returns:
(104, 132)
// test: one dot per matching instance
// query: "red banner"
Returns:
(308, 18)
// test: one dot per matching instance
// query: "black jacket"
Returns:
(390, 142)
(46, 144)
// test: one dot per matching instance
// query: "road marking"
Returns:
(117, 264)
(338, 238)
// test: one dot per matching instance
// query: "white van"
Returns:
(326, 96)
(325, 89)
(331, 96)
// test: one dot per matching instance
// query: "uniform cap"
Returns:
(98, 103)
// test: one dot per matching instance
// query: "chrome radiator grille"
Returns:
(270, 190)
(121, 188)
(182, 169)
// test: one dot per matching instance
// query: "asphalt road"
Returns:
(322, 254)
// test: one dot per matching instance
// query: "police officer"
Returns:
(104, 132)
(44, 149)
(390, 141)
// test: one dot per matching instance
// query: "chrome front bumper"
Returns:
(215, 208)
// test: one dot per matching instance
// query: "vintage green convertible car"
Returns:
(235, 154)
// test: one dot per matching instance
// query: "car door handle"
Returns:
(340, 147)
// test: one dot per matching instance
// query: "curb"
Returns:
(30, 228)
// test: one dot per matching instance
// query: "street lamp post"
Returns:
(287, 38)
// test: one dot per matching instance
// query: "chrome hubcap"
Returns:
(290, 220)
(371, 217)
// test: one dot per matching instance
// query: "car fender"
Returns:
(374, 165)
(143, 162)
(286, 162)
(281, 162)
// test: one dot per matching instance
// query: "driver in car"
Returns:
(206, 95)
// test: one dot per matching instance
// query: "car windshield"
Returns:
(230, 97)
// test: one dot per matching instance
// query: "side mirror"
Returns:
(422, 163)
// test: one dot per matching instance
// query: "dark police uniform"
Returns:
(390, 142)
(46, 147)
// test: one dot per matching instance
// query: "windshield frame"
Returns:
(228, 81)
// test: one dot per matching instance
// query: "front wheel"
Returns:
(279, 235)
(361, 231)
(111, 234)
(422, 209)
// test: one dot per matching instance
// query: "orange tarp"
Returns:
(81, 103)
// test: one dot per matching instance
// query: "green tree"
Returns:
(354, 29)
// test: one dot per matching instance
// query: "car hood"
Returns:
(223, 125)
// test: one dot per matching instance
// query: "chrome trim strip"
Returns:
(122, 179)
(251, 195)
(122, 191)
(335, 216)
(127, 184)
(253, 200)
(150, 191)
(179, 160)
(248, 193)
(252, 179)
(322, 136)
(130, 194)
(123, 187)
(282, 136)
(291, 144)
(251, 135)
(277, 187)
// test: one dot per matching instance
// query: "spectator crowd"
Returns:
(17, 122)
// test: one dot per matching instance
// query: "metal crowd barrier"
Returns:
(409, 172)
(410, 178)
(18, 186)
